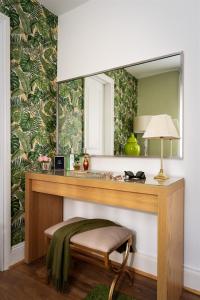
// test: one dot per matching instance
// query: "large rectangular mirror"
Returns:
(100, 112)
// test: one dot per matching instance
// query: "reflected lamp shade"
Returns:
(161, 127)
(140, 123)
(139, 126)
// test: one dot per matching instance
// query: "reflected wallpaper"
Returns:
(71, 116)
(71, 111)
(125, 107)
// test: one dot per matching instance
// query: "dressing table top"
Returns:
(103, 177)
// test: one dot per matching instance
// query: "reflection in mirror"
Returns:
(101, 112)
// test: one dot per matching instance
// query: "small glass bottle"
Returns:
(85, 161)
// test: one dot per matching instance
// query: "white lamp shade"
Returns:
(176, 124)
(161, 126)
(141, 123)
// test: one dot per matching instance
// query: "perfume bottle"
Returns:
(85, 161)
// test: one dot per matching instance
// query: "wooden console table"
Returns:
(44, 207)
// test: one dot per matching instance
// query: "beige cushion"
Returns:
(50, 231)
(103, 239)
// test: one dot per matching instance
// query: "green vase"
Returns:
(132, 147)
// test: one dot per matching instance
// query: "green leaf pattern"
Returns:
(33, 95)
(71, 112)
(125, 107)
(70, 117)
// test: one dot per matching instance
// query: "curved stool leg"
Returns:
(114, 282)
(120, 270)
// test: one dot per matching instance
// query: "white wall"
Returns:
(104, 34)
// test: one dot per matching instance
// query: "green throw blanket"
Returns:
(58, 256)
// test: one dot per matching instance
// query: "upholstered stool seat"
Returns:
(98, 243)
(104, 239)
(50, 231)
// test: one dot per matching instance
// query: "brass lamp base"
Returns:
(161, 175)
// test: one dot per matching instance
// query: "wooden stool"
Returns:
(96, 245)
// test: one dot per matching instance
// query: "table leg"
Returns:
(41, 212)
(170, 245)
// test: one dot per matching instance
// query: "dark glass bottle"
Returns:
(85, 163)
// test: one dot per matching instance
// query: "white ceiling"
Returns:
(59, 7)
(155, 67)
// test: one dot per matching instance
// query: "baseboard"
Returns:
(17, 253)
(192, 279)
(192, 291)
(143, 264)
(146, 265)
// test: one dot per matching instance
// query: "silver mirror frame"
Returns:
(181, 97)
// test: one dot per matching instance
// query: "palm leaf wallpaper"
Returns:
(125, 107)
(71, 111)
(33, 95)
(70, 116)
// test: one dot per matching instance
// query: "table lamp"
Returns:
(139, 126)
(161, 127)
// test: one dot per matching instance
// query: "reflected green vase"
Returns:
(131, 147)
